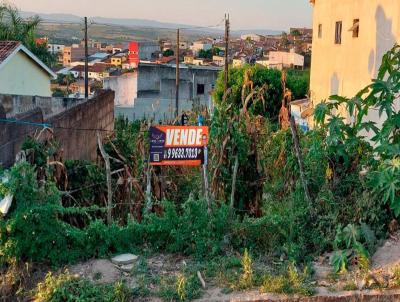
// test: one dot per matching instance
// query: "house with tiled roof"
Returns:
(21, 72)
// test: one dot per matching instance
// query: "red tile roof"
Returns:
(7, 48)
(165, 60)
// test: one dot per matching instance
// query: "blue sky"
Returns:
(245, 14)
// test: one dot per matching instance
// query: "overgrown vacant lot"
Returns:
(277, 206)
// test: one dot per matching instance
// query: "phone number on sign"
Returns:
(182, 153)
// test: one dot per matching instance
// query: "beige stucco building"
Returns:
(21, 72)
(350, 39)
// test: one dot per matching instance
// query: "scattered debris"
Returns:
(203, 283)
(5, 204)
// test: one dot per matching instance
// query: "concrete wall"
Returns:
(146, 50)
(97, 113)
(79, 141)
(346, 68)
(158, 110)
(12, 136)
(24, 77)
(162, 78)
(125, 87)
(17, 104)
(156, 91)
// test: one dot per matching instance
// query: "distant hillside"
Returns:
(112, 21)
(67, 28)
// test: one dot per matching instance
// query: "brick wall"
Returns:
(13, 135)
(80, 142)
(97, 113)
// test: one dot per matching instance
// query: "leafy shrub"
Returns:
(183, 287)
(349, 244)
(192, 232)
(292, 282)
(68, 288)
(246, 279)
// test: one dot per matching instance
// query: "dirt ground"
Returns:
(103, 271)
(384, 260)
(388, 255)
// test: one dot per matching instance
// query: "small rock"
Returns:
(324, 283)
(388, 244)
(124, 259)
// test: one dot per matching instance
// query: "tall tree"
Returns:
(14, 28)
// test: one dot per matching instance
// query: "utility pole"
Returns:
(86, 61)
(177, 75)
(227, 29)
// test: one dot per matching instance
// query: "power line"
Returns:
(47, 125)
(14, 121)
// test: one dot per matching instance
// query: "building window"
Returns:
(200, 89)
(356, 28)
(319, 31)
(338, 32)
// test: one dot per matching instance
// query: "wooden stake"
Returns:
(226, 68)
(177, 74)
(296, 143)
(206, 195)
(106, 158)
(149, 204)
(235, 170)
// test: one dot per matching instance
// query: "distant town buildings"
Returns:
(96, 72)
(75, 53)
(21, 72)
(252, 37)
(201, 45)
(112, 65)
(55, 48)
(283, 59)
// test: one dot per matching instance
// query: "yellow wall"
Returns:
(116, 61)
(347, 68)
(22, 76)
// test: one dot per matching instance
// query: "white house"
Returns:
(252, 37)
(200, 45)
(283, 59)
(219, 60)
(55, 48)
(21, 72)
